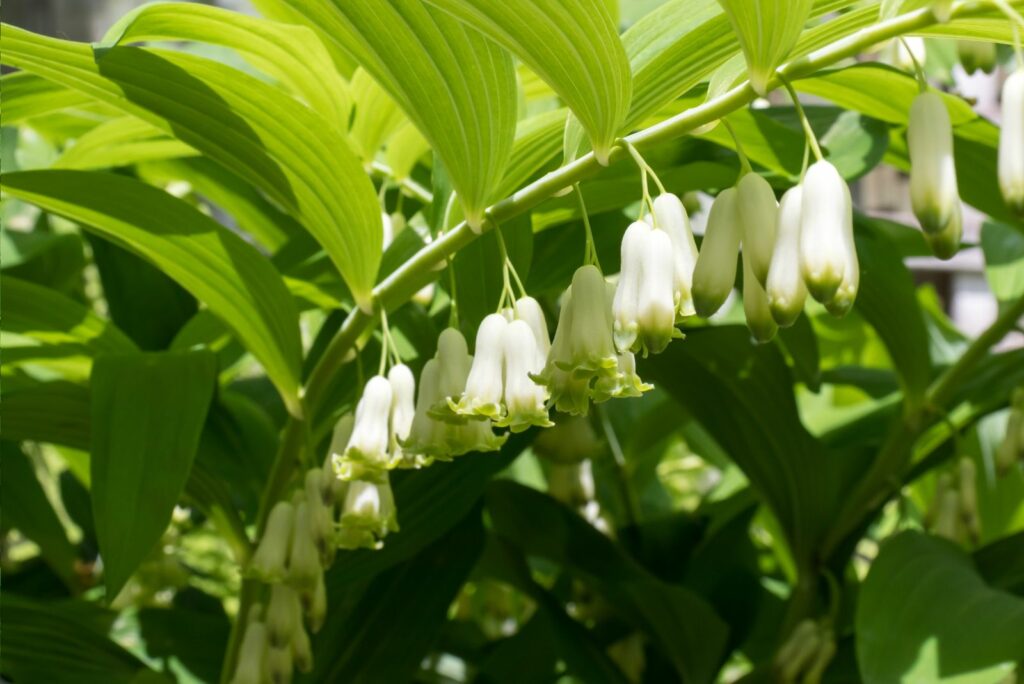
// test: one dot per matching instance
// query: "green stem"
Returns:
(415, 273)
(922, 80)
(812, 139)
(745, 166)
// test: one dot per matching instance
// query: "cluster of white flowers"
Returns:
(1011, 143)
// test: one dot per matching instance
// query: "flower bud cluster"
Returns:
(275, 641)
(802, 244)
(806, 654)
(954, 510)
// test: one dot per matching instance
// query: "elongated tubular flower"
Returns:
(279, 665)
(369, 514)
(715, 273)
(528, 310)
(423, 434)
(758, 214)
(569, 393)
(525, 400)
(823, 217)
(846, 294)
(933, 187)
(484, 386)
(946, 244)
(785, 289)
(302, 650)
(371, 436)
(403, 410)
(304, 561)
(249, 668)
(314, 602)
(1011, 143)
(625, 305)
(755, 305)
(590, 341)
(268, 562)
(321, 527)
(670, 216)
(283, 615)
(656, 309)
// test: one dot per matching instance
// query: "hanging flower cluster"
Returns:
(954, 510)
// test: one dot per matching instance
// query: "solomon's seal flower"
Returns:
(755, 305)
(371, 436)
(845, 295)
(268, 562)
(483, 393)
(1011, 143)
(368, 515)
(525, 400)
(670, 216)
(933, 188)
(785, 288)
(715, 272)
(823, 245)
(757, 212)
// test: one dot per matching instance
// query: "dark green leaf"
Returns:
(148, 412)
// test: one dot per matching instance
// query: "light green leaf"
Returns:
(123, 141)
(286, 150)
(457, 86)
(291, 54)
(925, 615)
(571, 44)
(49, 317)
(211, 262)
(767, 31)
(27, 95)
(148, 412)
(405, 148)
(376, 115)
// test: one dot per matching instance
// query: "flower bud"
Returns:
(758, 215)
(947, 518)
(846, 294)
(283, 615)
(371, 436)
(339, 442)
(946, 244)
(484, 387)
(933, 188)
(656, 308)
(590, 341)
(302, 650)
(423, 434)
(755, 305)
(670, 216)
(321, 526)
(454, 363)
(249, 668)
(369, 514)
(279, 665)
(525, 400)
(977, 55)
(823, 220)
(403, 411)
(785, 288)
(715, 272)
(1011, 143)
(268, 562)
(304, 562)
(625, 305)
(315, 605)
(528, 310)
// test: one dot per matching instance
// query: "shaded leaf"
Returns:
(148, 412)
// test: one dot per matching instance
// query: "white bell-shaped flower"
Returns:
(268, 562)
(977, 55)
(786, 290)
(715, 272)
(315, 605)
(283, 615)
(423, 433)
(656, 308)
(453, 370)
(525, 400)
(590, 340)
(626, 303)
(933, 188)
(670, 216)
(823, 217)
(484, 386)
(528, 310)
(249, 668)
(1011, 143)
(846, 294)
(758, 215)
(755, 305)
(302, 651)
(368, 515)
(371, 436)
(403, 411)
(304, 560)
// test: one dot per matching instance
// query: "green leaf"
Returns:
(216, 266)
(887, 300)
(123, 141)
(27, 96)
(376, 115)
(291, 54)
(1004, 260)
(761, 432)
(77, 651)
(683, 624)
(767, 31)
(925, 614)
(49, 317)
(26, 507)
(571, 44)
(417, 54)
(405, 148)
(289, 152)
(390, 629)
(148, 412)
(55, 412)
